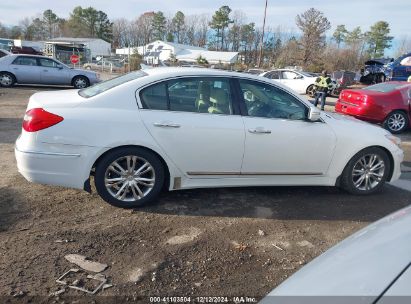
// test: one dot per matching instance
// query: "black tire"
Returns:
(7, 80)
(102, 170)
(80, 82)
(347, 177)
(311, 91)
(399, 116)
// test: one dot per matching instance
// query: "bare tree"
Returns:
(313, 24)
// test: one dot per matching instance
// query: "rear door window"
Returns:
(22, 60)
(155, 97)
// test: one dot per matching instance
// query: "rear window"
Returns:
(384, 87)
(109, 84)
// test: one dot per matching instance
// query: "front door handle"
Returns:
(259, 131)
(167, 125)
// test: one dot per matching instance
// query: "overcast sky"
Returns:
(349, 12)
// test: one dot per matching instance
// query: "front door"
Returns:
(279, 139)
(193, 121)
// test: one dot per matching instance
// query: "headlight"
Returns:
(395, 140)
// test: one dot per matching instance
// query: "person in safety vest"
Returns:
(322, 85)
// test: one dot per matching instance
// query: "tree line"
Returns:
(225, 30)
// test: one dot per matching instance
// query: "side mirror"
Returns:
(298, 77)
(60, 67)
(314, 114)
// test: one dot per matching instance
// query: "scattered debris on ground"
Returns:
(86, 264)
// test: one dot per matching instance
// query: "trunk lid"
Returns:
(55, 99)
(353, 97)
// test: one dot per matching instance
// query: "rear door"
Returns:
(53, 73)
(193, 120)
(26, 69)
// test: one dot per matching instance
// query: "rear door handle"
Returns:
(166, 125)
(259, 131)
(45, 70)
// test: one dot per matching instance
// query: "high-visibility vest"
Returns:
(323, 82)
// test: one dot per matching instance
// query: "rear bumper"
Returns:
(362, 112)
(68, 169)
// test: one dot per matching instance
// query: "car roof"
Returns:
(29, 55)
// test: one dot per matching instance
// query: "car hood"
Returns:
(362, 266)
(83, 72)
(348, 124)
(55, 99)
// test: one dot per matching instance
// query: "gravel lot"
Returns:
(210, 242)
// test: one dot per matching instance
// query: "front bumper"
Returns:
(398, 157)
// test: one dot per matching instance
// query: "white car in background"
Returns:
(182, 128)
(300, 82)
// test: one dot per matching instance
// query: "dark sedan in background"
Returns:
(387, 103)
(31, 69)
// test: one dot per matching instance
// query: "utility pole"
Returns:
(260, 57)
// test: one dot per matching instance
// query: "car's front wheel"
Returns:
(310, 91)
(366, 172)
(7, 80)
(396, 122)
(129, 177)
(81, 82)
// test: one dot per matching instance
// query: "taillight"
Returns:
(38, 119)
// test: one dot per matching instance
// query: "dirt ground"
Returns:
(210, 242)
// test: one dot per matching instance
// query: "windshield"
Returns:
(384, 87)
(109, 84)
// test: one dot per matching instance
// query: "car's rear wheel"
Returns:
(81, 82)
(129, 177)
(396, 122)
(366, 172)
(7, 80)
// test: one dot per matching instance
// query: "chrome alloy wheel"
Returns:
(368, 172)
(396, 122)
(80, 83)
(129, 178)
(6, 80)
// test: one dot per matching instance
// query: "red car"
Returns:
(387, 103)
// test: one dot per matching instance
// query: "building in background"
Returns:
(159, 50)
(96, 46)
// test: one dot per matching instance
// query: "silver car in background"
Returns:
(32, 69)
(373, 266)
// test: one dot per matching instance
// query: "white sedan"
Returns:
(180, 128)
(301, 82)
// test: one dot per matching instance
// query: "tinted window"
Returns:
(154, 97)
(198, 95)
(48, 63)
(289, 75)
(274, 75)
(25, 61)
(201, 95)
(263, 100)
(109, 84)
